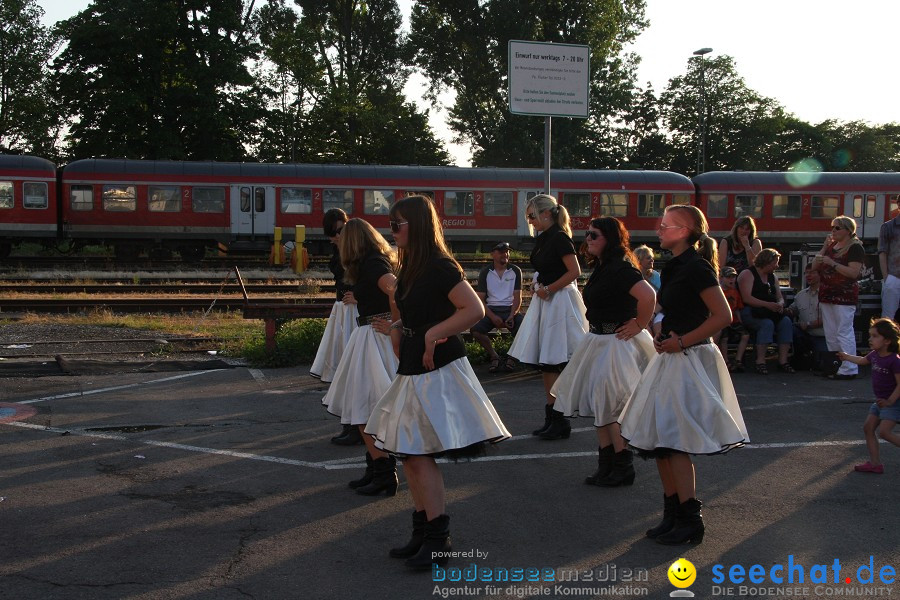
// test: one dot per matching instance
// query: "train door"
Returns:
(868, 212)
(252, 210)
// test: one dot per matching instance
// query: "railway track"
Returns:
(317, 308)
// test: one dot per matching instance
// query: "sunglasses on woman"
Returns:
(591, 235)
(396, 225)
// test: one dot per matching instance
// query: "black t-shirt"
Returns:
(683, 278)
(337, 269)
(370, 300)
(428, 303)
(763, 290)
(547, 257)
(606, 293)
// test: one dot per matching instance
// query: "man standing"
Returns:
(500, 288)
(889, 259)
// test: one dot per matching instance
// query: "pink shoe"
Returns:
(868, 467)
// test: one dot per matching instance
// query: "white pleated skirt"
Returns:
(340, 326)
(552, 329)
(435, 412)
(601, 376)
(685, 402)
(364, 374)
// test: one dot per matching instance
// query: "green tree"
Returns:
(336, 71)
(461, 45)
(27, 123)
(159, 80)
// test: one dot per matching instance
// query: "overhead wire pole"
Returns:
(701, 121)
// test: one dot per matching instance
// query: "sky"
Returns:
(820, 59)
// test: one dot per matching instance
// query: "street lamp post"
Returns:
(701, 122)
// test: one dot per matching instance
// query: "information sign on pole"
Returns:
(549, 79)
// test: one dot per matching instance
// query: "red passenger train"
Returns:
(164, 206)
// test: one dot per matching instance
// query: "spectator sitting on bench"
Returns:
(809, 336)
(733, 295)
(500, 288)
(763, 310)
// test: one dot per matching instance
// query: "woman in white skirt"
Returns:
(436, 405)
(341, 322)
(607, 366)
(368, 363)
(685, 403)
(554, 323)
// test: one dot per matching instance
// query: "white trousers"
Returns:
(837, 320)
(890, 296)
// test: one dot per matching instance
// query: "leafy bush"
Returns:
(296, 343)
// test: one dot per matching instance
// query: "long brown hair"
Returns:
(734, 242)
(696, 223)
(425, 239)
(358, 240)
(617, 242)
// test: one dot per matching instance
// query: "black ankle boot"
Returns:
(415, 542)
(436, 540)
(559, 427)
(366, 479)
(384, 478)
(345, 431)
(604, 464)
(350, 437)
(548, 414)
(670, 506)
(688, 526)
(622, 472)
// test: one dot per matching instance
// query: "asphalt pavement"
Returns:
(222, 484)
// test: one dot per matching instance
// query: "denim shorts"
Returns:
(888, 413)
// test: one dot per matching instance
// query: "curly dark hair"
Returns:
(618, 242)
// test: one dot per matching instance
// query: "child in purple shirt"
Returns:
(884, 340)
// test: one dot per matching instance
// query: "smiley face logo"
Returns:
(682, 573)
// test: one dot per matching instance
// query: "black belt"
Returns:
(604, 328)
(362, 321)
(414, 331)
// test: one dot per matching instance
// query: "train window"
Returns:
(6, 195)
(614, 205)
(747, 206)
(498, 204)
(786, 207)
(430, 194)
(577, 203)
(857, 206)
(164, 198)
(119, 198)
(208, 200)
(459, 203)
(824, 207)
(716, 206)
(259, 194)
(681, 199)
(342, 199)
(296, 201)
(377, 202)
(34, 195)
(81, 197)
(651, 205)
(245, 199)
(870, 207)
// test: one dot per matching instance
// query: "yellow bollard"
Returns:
(277, 255)
(299, 258)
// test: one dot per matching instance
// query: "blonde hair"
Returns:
(643, 251)
(766, 257)
(358, 240)
(696, 223)
(846, 222)
(560, 215)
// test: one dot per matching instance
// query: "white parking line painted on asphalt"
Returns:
(118, 387)
(347, 463)
(801, 400)
(257, 374)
